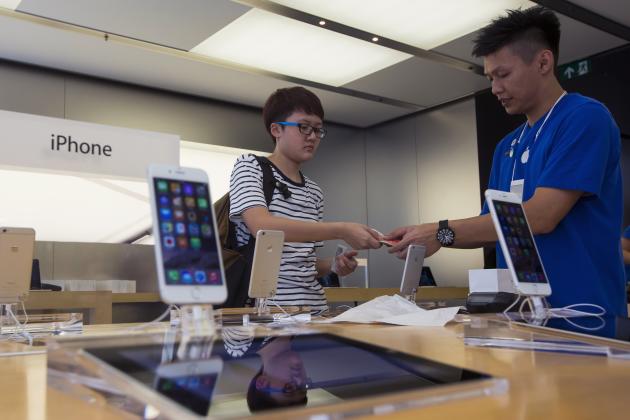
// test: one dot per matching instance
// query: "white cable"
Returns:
(20, 331)
(156, 320)
(601, 312)
(505, 312)
(24, 312)
(599, 327)
(553, 312)
(290, 317)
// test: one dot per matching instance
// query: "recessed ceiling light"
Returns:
(422, 23)
(282, 45)
(322, 22)
(10, 4)
(374, 39)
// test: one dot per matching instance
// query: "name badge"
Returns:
(516, 187)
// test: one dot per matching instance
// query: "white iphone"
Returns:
(16, 262)
(517, 243)
(187, 251)
(266, 263)
(413, 269)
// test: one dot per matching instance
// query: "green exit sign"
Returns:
(575, 69)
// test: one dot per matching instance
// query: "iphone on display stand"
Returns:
(263, 280)
(517, 243)
(16, 262)
(187, 251)
(412, 271)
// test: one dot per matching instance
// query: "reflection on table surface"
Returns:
(238, 374)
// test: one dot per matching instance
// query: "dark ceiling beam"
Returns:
(350, 31)
(587, 17)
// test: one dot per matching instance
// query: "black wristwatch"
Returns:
(445, 235)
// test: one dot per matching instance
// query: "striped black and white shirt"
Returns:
(297, 283)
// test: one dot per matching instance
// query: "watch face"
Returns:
(445, 236)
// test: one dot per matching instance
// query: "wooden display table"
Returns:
(541, 384)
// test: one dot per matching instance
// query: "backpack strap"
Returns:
(268, 180)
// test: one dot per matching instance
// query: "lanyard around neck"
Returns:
(520, 137)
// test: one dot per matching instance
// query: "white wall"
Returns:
(448, 174)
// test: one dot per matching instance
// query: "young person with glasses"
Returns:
(294, 118)
(563, 161)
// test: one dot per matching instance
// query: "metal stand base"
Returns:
(538, 307)
(262, 307)
(8, 320)
(198, 330)
(412, 297)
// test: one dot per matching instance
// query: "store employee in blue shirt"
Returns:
(564, 161)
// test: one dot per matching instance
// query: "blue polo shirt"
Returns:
(626, 235)
(578, 148)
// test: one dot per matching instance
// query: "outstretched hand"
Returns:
(360, 236)
(415, 234)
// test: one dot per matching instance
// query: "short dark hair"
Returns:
(527, 31)
(258, 400)
(284, 102)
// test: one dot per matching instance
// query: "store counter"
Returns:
(539, 384)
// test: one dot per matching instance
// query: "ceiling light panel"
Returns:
(275, 43)
(422, 23)
(10, 4)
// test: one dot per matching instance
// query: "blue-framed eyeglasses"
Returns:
(305, 129)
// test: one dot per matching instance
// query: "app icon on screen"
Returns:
(193, 228)
(206, 230)
(167, 227)
(180, 228)
(169, 242)
(179, 214)
(188, 189)
(162, 186)
(200, 277)
(214, 277)
(203, 203)
(177, 201)
(201, 191)
(165, 213)
(176, 188)
(190, 202)
(182, 242)
(186, 277)
(163, 200)
(195, 243)
(192, 216)
(172, 276)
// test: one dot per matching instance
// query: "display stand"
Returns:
(262, 306)
(10, 326)
(198, 330)
(538, 307)
(197, 321)
(8, 321)
(412, 297)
